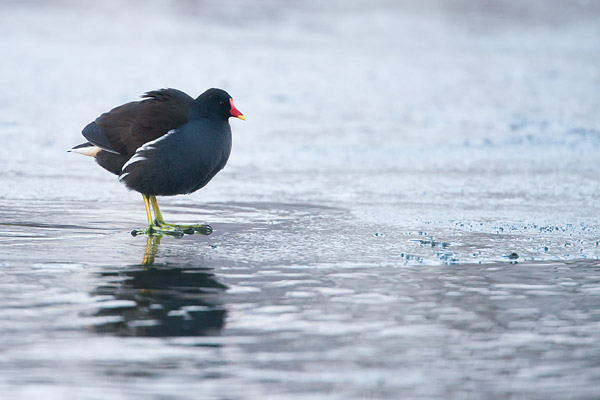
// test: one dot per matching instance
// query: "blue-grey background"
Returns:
(409, 211)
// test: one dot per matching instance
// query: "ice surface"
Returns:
(409, 211)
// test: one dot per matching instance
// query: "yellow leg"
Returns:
(158, 226)
(157, 212)
(147, 204)
(155, 227)
(189, 229)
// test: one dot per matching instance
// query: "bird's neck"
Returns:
(197, 111)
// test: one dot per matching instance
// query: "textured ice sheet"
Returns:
(410, 209)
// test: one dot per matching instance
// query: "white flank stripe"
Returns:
(149, 146)
(122, 176)
(136, 158)
(163, 137)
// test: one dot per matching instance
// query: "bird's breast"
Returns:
(182, 161)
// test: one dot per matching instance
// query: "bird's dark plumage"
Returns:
(180, 161)
(166, 144)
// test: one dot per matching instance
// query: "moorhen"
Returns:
(165, 144)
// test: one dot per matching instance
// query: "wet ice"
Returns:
(397, 158)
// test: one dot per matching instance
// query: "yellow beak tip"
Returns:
(241, 117)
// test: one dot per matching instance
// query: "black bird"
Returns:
(165, 144)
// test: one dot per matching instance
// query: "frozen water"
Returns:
(409, 211)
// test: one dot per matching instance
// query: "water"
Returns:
(409, 211)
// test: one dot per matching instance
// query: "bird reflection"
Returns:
(152, 245)
(159, 300)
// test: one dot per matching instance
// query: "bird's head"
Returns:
(216, 103)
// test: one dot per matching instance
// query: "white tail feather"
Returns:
(90, 151)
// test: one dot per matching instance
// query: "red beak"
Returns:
(235, 112)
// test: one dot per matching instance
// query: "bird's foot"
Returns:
(163, 228)
(158, 230)
(202, 229)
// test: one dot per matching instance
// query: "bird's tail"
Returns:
(87, 149)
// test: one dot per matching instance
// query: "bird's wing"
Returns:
(125, 128)
(161, 177)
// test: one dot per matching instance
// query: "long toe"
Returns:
(137, 232)
(157, 230)
(177, 233)
(202, 229)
